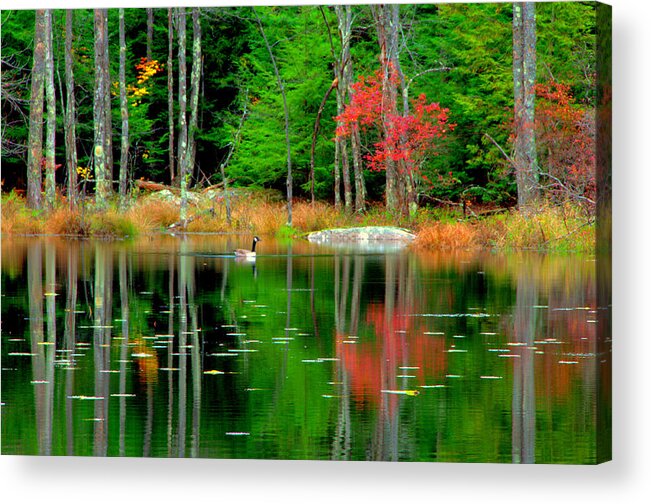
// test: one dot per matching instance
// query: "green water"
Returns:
(169, 347)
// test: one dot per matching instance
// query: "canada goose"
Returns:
(248, 253)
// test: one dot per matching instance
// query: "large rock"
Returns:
(362, 235)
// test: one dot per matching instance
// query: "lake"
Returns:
(168, 346)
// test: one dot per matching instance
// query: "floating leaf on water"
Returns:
(222, 354)
(253, 389)
(45, 343)
(432, 333)
(291, 328)
(335, 383)
(498, 350)
(540, 352)
(39, 382)
(93, 419)
(405, 376)
(228, 325)
(251, 341)
(141, 355)
(490, 377)
(329, 396)
(242, 350)
(123, 395)
(510, 356)
(238, 433)
(51, 294)
(516, 343)
(86, 398)
(213, 372)
(458, 336)
(236, 334)
(21, 354)
(328, 359)
(349, 342)
(401, 392)
(457, 350)
(568, 362)
(488, 333)
(433, 386)
(282, 339)
(16, 339)
(109, 371)
(453, 376)
(168, 369)
(408, 367)
(311, 360)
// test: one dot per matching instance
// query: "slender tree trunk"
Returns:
(150, 32)
(195, 78)
(358, 167)
(102, 184)
(170, 89)
(281, 86)
(387, 39)
(524, 78)
(344, 73)
(35, 140)
(108, 131)
(50, 129)
(124, 114)
(70, 116)
(183, 126)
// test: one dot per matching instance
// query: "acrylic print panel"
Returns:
(431, 188)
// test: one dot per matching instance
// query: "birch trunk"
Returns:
(99, 114)
(124, 114)
(195, 78)
(50, 128)
(524, 78)
(170, 90)
(35, 139)
(70, 116)
(183, 126)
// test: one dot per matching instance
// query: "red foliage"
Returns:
(565, 134)
(403, 138)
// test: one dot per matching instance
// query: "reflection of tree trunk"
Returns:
(35, 290)
(50, 347)
(101, 350)
(183, 330)
(195, 353)
(388, 419)
(524, 393)
(170, 357)
(124, 348)
(70, 341)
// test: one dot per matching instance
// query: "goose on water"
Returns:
(248, 253)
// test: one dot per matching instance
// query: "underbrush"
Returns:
(553, 228)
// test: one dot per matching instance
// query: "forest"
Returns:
(402, 114)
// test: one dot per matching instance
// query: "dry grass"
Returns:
(439, 235)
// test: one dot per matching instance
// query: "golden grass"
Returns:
(552, 228)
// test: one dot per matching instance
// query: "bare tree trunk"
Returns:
(358, 167)
(124, 114)
(70, 116)
(99, 114)
(387, 39)
(150, 32)
(170, 90)
(108, 131)
(281, 86)
(50, 129)
(195, 77)
(35, 140)
(183, 126)
(524, 78)
(344, 73)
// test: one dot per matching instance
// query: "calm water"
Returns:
(167, 347)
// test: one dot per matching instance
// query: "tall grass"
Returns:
(558, 228)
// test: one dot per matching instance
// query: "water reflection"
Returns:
(168, 347)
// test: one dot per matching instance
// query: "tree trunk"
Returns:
(50, 130)
(150, 32)
(195, 78)
(281, 86)
(388, 41)
(99, 114)
(108, 117)
(35, 140)
(70, 116)
(524, 78)
(345, 16)
(124, 114)
(344, 22)
(183, 126)
(170, 90)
